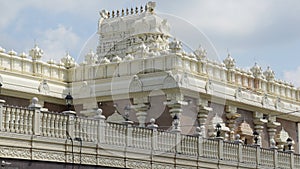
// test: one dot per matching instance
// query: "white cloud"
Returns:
(55, 42)
(293, 76)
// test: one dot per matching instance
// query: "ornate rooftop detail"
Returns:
(12, 53)
(229, 62)
(23, 55)
(68, 61)
(117, 59)
(104, 60)
(256, 70)
(175, 46)
(123, 32)
(269, 74)
(36, 53)
(91, 57)
(282, 136)
(2, 50)
(200, 53)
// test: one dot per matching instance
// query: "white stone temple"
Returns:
(141, 101)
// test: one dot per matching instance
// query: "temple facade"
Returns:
(142, 101)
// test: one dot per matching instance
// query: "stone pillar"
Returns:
(203, 111)
(175, 103)
(36, 115)
(141, 106)
(272, 128)
(231, 115)
(101, 126)
(70, 124)
(258, 124)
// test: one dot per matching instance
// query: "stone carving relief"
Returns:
(209, 87)
(265, 101)
(136, 84)
(278, 103)
(44, 87)
(112, 162)
(238, 94)
(170, 81)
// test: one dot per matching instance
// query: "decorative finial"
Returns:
(136, 10)
(108, 14)
(113, 14)
(131, 11)
(142, 10)
(122, 12)
(127, 11)
(118, 13)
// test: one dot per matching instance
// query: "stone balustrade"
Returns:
(20, 64)
(126, 137)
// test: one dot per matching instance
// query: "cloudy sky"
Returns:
(266, 32)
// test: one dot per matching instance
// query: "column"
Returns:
(175, 103)
(231, 115)
(141, 106)
(272, 128)
(203, 110)
(258, 124)
(101, 126)
(36, 115)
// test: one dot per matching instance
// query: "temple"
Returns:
(139, 100)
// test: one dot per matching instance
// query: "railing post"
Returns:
(275, 158)
(220, 148)
(153, 128)
(257, 155)
(200, 146)
(129, 129)
(178, 142)
(36, 121)
(292, 160)
(70, 123)
(1, 114)
(101, 126)
(240, 152)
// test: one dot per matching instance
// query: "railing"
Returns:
(31, 121)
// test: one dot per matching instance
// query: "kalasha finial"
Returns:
(122, 12)
(118, 13)
(108, 14)
(136, 10)
(113, 14)
(142, 10)
(131, 11)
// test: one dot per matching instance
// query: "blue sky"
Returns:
(266, 32)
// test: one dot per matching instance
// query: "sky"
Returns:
(265, 32)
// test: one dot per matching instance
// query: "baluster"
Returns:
(7, 117)
(25, 123)
(12, 118)
(89, 129)
(21, 123)
(52, 118)
(44, 124)
(64, 126)
(48, 128)
(59, 126)
(56, 129)
(16, 120)
(29, 126)
(76, 127)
